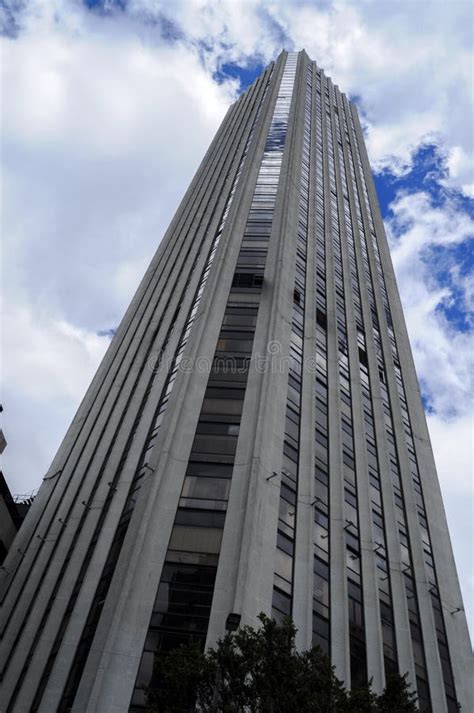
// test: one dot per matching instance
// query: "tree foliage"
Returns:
(260, 671)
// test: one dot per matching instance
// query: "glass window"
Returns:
(197, 539)
(231, 406)
(218, 427)
(286, 517)
(234, 345)
(290, 452)
(239, 320)
(320, 626)
(199, 518)
(202, 503)
(212, 488)
(211, 470)
(247, 280)
(288, 494)
(284, 565)
(217, 444)
(285, 543)
(321, 590)
(281, 601)
(292, 430)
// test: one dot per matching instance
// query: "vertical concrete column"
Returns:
(304, 536)
(373, 633)
(399, 601)
(340, 655)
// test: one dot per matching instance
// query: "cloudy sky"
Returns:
(108, 107)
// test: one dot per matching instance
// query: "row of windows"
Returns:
(390, 657)
(283, 581)
(356, 633)
(321, 588)
(200, 518)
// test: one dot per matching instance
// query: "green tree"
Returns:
(177, 677)
(260, 671)
(397, 697)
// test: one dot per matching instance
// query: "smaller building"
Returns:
(3, 441)
(12, 514)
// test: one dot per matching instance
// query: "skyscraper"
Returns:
(254, 439)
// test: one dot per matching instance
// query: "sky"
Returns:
(108, 107)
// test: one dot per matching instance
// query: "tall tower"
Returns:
(254, 440)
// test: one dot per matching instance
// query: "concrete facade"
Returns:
(254, 440)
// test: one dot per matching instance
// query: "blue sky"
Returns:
(108, 107)
(427, 172)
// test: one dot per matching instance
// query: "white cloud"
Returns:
(47, 367)
(444, 356)
(408, 62)
(454, 454)
(93, 147)
(59, 357)
(102, 132)
(461, 170)
(225, 31)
